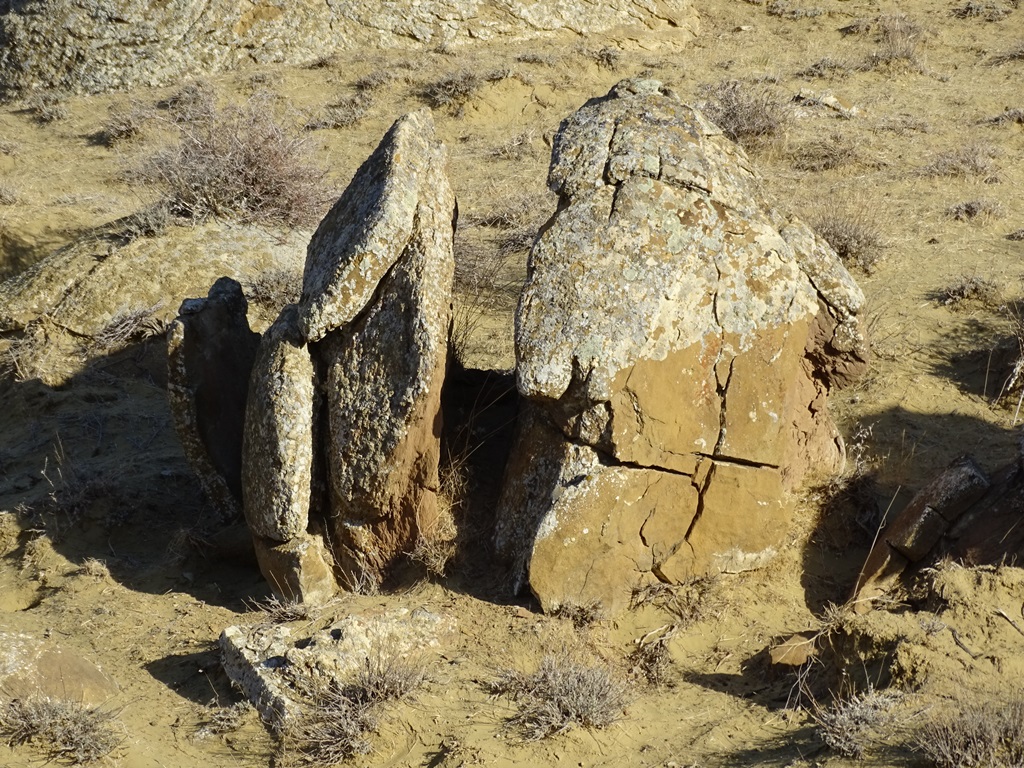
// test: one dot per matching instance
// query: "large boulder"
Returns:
(99, 45)
(676, 341)
(342, 433)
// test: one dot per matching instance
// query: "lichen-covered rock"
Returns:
(99, 45)
(277, 448)
(58, 313)
(379, 295)
(210, 354)
(343, 425)
(678, 349)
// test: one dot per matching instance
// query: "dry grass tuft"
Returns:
(130, 326)
(47, 107)
(64, 730)
(688, 602)
(237, 162)
(750, 115)
(1017, 235)
(849, 726)
(968, 160)
(436, 546)
(1008, 115)
(274, 288)
(825, 68)
(337, 719)
(124, 123)
(825, 154)
(970, 288)
(581, 614)
(8, 195)
(561, 694)
(899, 40)
(985, 10)
(970, 210)
(1016, 53)
(852, 231)
(991, 735)
(784, 9)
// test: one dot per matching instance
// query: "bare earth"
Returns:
(93, 471)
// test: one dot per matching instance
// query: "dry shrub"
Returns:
(748, 114)
(986, 10)
(72, 491)
(1008, 115)
(129, 326)
(124, 123)
(344, 113)
(849, 726)
(218, 720)
(8, 148)
(689, 602)
(968, 160)
(64, 730)
(47, 107)
(899, 40)
(191, 99)
(337, 718)
(1017, 235)
(825, 68)
(561, 694)
(237, 161)
(970, 210)
(581, 614)
(95, 569)
(436, 546)
(852, 231)
(278, 611)
(8, 195)
(825, 154)
(274, 288)
(1016, 53)
(786, 10)
(968, 288)
(987, 736)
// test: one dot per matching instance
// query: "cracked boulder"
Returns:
(342, 430)
(676, 342)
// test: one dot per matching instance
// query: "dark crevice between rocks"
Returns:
(723, 392)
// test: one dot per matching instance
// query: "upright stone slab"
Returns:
(376, 309)
(210, 353)
(677, 349)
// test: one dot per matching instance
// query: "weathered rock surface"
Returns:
(58, 312)
(99, 45)
(270, 663)
(676, 339)
(30, 666)
(210, 355)
(343, 422)
(381, 319)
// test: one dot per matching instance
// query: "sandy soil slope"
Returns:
(104, 535)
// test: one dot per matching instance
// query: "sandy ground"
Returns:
(101, 523)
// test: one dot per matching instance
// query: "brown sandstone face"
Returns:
(677, 338)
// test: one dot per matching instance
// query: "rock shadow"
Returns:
(912, 448)
(96, 466)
